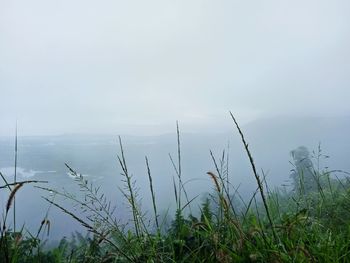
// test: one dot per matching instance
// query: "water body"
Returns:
(95, 157)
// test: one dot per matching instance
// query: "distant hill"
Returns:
(95, 156)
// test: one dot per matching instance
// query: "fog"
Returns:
(76, 74)
(134, 67)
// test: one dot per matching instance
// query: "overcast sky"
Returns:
(138, 66)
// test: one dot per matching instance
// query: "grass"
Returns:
(310, 223)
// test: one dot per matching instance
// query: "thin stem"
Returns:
(179, 161)
(257, 177)
(152, 193)
(15, 181)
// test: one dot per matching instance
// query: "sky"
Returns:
(83, 66)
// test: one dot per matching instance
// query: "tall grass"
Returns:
(15, 180)
(296, 225)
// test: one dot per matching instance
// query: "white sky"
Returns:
(137, 66)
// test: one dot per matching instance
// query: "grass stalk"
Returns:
(152, 193)
(15, 181)
(131, 198)
(257, 177)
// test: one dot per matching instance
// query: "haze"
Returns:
(137, 66)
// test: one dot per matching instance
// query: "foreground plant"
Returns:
(308, 223)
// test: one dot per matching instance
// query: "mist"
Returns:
(136, 67)
(76, 75)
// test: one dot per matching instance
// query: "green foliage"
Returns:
(310, 223)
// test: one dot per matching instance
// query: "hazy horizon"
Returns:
(152, 131)
(121, 67)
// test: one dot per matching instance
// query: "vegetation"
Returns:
(308, 223)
